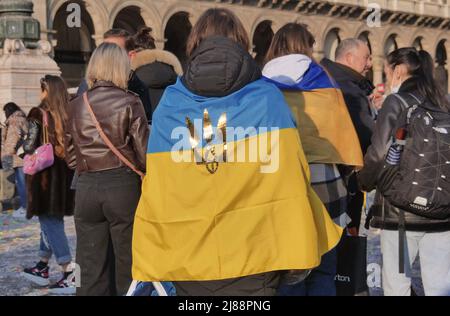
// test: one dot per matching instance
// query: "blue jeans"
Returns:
(54, 239)
(21, 187)
(320, 281)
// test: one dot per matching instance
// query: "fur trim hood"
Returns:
(149, 56)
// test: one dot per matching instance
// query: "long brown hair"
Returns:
(292, 38)
(217, 22)
(56, 103)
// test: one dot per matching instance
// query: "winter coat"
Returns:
(157, 69)
(48, 192)
(385, 215)
(13, 135)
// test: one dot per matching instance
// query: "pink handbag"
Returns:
(43, 157)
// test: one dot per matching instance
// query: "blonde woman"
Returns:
(108, 189)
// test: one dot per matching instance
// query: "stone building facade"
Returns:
(421, 23)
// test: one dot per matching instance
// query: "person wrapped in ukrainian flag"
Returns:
(226, 206)
(326, 131)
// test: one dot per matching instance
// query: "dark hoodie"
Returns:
(219, 67)
(356, 88)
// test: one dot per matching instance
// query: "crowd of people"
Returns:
(217, 226)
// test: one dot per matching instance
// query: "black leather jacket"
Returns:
(385, 215)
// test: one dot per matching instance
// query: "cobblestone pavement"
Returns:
(19, 241)
(19, 245)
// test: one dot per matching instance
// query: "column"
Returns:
(377, 67)
(318, 55)
(447, 49)
(159, 43)
(98, 38)
(40, 13)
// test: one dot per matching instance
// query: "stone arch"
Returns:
(74, 46)
(331, 42)
(275, 25)
(96, 10)
(442, 37)
(418, 43)
(400, 38)
(261, 38)
(176, 32)
(344, 30)
(324, 36)
(129, 18)
(365, 37)
(390, 43)
(193, 14)
(441, 71)
(147, 12)
(423, 40)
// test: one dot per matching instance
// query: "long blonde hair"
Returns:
(109, 63)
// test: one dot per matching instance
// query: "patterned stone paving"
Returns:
(19, 242)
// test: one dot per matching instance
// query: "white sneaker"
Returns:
(65, 286)
(20, 213)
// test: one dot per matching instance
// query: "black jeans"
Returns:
(265, 284)
(105, 205)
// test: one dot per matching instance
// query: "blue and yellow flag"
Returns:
(324, 123)
(222, 207)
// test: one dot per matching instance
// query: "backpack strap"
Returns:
(45, 138)
(401, 241)
(410, 108)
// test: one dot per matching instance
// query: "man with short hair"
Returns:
(353, 61)
(120, 38)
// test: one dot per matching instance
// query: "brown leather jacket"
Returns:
(121, 116)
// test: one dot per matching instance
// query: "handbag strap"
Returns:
(106, 139)
(45, 126)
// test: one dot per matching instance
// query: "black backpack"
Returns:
(420, 183)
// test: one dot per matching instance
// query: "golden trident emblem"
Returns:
(208, 156)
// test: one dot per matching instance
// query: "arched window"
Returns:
(332, 41)
(176, 34)
(74, 45)
(261, 41)
(441, 72)
(129, 19)
(365, 38)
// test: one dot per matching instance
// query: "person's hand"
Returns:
(376, 99)
(352, 231)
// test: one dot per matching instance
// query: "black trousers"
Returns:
(105, 206)
(265, 284)
(355, 203)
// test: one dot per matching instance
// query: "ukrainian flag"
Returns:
(236, 218)
(324, 123)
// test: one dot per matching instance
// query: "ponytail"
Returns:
(426, 82)
(420, 65)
